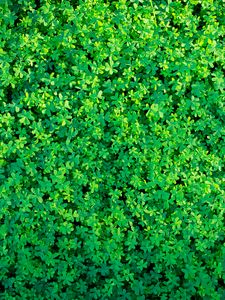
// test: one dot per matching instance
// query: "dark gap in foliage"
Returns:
(196, 297)
(175, 25)
(29, 245)
(138, 247)
(201, 135)
(17, 22)
(16, 134)
(85, 189)
(192, 243)
(64, 288)
(137, 223)
(218, 174)
(51, 280)
(77, 223)
(201, 24)
(158, 187)
(37, 4)
(181, 277)
(221, 282)
(153, 297)
(2, 287)
(42, 29)
(28, 285)
(10, 160)
(37, 115)
(176, 152)
(91, 285)
(116, 26)
(2, 220)
(125, 92)
(143, 120)
(123, 197)
(55, 248)
(9, 93)
(196, 118)
(188, 91)
(176, 106)
(41, 84)
(163, 122)
(89, 68)
(46, 196)
(12, 271)
(197, 10)
(140, 73)
(19, 13)
(160, 75)
(50, 66)
(180, 182)
(162, 277)
(179, 236)
(150, 267)
(89, 57)
(192, 239)
(215, 67)
(27, 68)
(74, 3)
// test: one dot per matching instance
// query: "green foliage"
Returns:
(112, 149)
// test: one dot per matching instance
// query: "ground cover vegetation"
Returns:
(112, 149)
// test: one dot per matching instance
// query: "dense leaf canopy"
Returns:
(112, 149)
